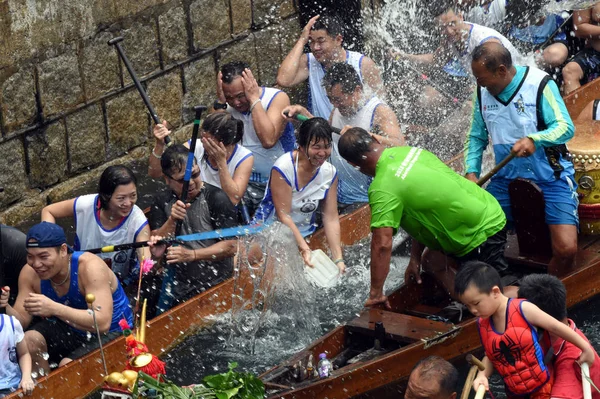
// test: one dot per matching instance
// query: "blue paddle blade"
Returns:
(237, 231)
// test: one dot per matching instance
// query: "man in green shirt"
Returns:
(438, 208)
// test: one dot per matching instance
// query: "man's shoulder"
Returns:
(215, 196)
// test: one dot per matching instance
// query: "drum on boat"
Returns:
(585, 150)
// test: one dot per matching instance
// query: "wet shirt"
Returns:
(209, 211)
(414, 190)
(11, 333)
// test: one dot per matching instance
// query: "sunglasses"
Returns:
(195, 175)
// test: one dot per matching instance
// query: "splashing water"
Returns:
(271, 322)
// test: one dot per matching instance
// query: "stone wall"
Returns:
(67, 104)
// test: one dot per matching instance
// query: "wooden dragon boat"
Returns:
(380, 347)
(409, 336)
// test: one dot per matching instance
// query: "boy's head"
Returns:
(547, 292)
(479, 287)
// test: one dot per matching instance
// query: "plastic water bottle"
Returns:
(325, 368)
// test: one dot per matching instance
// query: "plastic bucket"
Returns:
(325, 273)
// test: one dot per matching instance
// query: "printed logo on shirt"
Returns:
(408, 162)
(520, 105)
(490, 107)
(12, 354)
(308, 206)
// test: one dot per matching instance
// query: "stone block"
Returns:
(166, 94)
(130, 8)
(19, 107)
(269, 55)
(210, 22)
(140, 44)
(60, 84)
(14, 38)
(13, 177)
(200, 83)
(47, 155)
(173, 35)
(100, 65)
(128, 123)
(241, 14)
(269, 11)
(289, 32)
(242, 50)
(104, 11)
(87, 138)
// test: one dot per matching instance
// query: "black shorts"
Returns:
(62, 341)
(490, 252)
(589, 61)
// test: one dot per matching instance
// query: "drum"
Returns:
(585, 150)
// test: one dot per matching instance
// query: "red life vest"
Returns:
(516, 354)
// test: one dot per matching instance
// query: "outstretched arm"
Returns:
(381, 255)
(294, 68)
(58, 210)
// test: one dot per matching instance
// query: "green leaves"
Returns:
(229, 385)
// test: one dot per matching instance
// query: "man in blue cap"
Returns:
(53, 285)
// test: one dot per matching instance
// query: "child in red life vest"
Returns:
(549, 294)
(508, 334)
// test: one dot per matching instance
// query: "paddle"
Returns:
(495, 170)
(116, 42)
(585, 381)
(480, 392)
(238, 231)
(302, 118)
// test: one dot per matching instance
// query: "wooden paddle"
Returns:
(496, 169)
(585, 382)
(476, 366)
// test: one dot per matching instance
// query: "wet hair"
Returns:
(343, 74)
(547, 292)
(111, 178)
(330, 24)
(437, 368)
(174, 159)
(224, 127)
(493, 54)
(354, 144)
(483, 276)
(316, 129)
(232, 70)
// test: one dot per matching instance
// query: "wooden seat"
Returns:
(398, 327)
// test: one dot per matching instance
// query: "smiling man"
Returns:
(53, 285)
(197, 265)
(324, 35)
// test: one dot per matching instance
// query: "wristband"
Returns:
(155, 155)
(340, 260)
(254, 105)
(218, 105)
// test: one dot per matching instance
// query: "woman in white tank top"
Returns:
(300, 181)
(224, 162)
(110, 217)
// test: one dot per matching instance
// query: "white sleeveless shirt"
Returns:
(264, 158)
(305, 200)
(90, 234)
(210, 174)
(353, 184)
(11, 333)
(318, 102)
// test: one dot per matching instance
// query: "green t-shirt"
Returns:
(414, 190)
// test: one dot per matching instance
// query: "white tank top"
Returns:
(318, 102)
(264, 158)
(11, 333)
(90, 233)
(353, 184)
(211, 175)
(305, 201)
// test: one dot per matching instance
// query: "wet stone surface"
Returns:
(87, 138)
(47, 155)
(19, 107)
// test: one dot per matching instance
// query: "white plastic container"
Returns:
(325, 273)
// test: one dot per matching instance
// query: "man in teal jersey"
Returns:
(522, 111)
(438, 208)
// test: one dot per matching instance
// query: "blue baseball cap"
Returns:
(46, 235)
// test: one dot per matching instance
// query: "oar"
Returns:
(480, 392)
(116, 42)
(302, 118)
(496, 169)
(585, 382)
(238, 231)
(476, 365)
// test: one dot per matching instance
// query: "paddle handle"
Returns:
(475, 362)
(302, 118)
(480, 392)
(497, 168)
(585, 382)
(136, 81)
